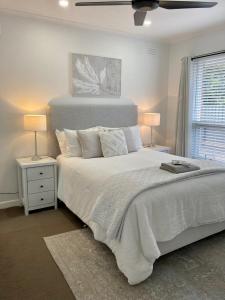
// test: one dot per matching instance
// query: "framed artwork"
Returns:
(95, 76)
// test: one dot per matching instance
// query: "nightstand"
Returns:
(37, 182)
(160, 148)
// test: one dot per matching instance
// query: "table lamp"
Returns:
(151, 120)
(35, 123)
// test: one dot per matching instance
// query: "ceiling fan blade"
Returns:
(139, 17)
(103, 3)
(185, 4)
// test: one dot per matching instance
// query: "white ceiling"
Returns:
(167, 25)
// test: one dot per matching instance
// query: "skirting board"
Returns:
(10, 203)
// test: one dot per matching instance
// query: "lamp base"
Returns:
(36, 157)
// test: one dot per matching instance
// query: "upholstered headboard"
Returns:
(82, 113)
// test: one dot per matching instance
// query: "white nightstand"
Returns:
(37, 181)
(160, 148)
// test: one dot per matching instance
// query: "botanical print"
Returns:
(95, 76)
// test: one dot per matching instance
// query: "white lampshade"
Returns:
(151, 119)
(35, 122)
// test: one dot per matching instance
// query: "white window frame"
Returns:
(200, 124)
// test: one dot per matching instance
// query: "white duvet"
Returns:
(156, 214)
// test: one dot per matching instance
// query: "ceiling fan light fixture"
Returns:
(142, 7)
(63, 3)
(147, 23)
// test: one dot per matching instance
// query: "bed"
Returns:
(158, 218)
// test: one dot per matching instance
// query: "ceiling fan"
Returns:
(141, 7)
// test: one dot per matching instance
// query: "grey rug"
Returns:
(194, 272)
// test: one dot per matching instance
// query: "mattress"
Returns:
(150, 218)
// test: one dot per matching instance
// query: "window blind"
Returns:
(208, 107)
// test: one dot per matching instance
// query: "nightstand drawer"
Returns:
(40, 172)
(43, 185)
(41, 199)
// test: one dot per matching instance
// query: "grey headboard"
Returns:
(82, 113)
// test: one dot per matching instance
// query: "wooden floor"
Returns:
(27, 270)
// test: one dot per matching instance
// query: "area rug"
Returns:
(196, 272)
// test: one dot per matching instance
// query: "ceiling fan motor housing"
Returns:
(145, 5)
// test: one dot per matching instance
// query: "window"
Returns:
(208, 108)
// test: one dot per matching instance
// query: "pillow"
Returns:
(132, 135)
(90, 143)
(133, 138)
(73, 144)
(113, 143)
(61, 140)
(107, 128)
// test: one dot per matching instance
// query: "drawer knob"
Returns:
(41, 186)
(41, 173)
(42, 199)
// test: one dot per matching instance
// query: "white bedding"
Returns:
(155, 215)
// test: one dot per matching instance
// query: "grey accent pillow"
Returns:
(90, 143)
(133, 138)
(113, 143)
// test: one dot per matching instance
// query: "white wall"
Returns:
(209, 42)
(35, 66)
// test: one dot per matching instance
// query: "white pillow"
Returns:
(72, 142)
(133, 138)
(132, 135)
(113, 143)
(62, 141)
(90, 143)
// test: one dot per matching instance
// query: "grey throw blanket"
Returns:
(120, 190)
